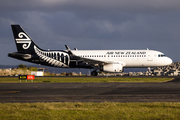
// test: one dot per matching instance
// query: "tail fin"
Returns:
(23, 42)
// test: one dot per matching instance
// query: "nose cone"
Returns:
(169, 61)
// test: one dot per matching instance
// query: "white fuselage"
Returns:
(129, 58)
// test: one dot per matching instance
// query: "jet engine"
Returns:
(112, 68)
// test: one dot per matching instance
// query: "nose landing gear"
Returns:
(149, 70)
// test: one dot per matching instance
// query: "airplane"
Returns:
(113, 61)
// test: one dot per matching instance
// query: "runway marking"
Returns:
(6, 92)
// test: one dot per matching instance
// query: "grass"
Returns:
(82, 79)
(89, 111)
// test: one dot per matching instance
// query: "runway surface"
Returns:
(91, 92)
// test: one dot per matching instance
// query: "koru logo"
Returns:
(23, 38)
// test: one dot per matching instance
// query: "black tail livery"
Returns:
(29, 51)
(23, 42)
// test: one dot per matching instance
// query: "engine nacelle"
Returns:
(112, 68)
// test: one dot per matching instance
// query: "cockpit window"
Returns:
(161, 55)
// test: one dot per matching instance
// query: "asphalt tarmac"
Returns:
(90, 92)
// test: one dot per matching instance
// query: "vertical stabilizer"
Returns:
(23, 41)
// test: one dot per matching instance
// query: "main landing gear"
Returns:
(94, 73)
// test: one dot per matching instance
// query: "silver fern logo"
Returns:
(54, 58)
(23, 38)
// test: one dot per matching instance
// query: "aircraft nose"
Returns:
(169, 61)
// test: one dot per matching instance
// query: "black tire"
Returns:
(94, 73)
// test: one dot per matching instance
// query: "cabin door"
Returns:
(150, 56)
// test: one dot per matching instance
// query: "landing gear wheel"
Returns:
(94, 73)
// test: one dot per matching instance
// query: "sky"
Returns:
(92, 24)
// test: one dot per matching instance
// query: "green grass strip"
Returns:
(82, 79)
(90, 111)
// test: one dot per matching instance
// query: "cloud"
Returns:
(91, 5)
(93, 24)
